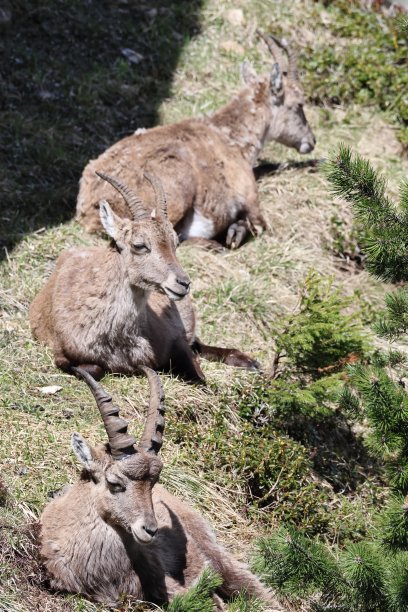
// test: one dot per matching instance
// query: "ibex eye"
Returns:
(115, 487)
(140, 247)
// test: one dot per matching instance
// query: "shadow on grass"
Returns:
(269, 169)
(76, 76)
(339, 456)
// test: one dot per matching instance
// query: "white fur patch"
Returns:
(140, 131)
(199, 227)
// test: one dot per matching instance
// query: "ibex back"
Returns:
(117, 533)
(206, 163)
(113, 309)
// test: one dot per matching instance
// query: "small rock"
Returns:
(235, 16)
(68, 413)
(50, 390)
(132, 56)
(230, 46)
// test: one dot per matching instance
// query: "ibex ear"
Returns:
(82, 450)
(248, 74)
(110, 221)
(276, 80)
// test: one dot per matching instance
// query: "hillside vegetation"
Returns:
(254, 453)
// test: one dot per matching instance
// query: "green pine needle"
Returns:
(363, 567)
(199, 597)
(392, 524)
(385, 227)
(397, 583)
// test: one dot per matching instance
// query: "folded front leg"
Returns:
(185, 362)
(229, 356)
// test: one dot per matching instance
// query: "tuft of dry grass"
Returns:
(239, 296)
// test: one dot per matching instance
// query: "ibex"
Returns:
(115, 308)
(118, 533)
(206, 164)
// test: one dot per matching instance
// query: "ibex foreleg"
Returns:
(229, 356)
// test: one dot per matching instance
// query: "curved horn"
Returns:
(158, 190)
(152, 436)
(120, 442)
(136, 205)
(292, 62)
(275, 47)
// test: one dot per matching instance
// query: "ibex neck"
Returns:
(124, 299)
(245, 120)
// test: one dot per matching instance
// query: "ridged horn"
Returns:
(157, 185)
(275, 47)
(152, 436)
(136, 205)
(121, 444)
(292, 63)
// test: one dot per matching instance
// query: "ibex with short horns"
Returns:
(116, 308)
(117, 533)
(206, 163)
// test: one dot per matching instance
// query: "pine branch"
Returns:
(357, 182)
(385, 230)
(397, 583)
(384, 403)
(297, 566)
(394, 322)
(363, 566)
(392, 524)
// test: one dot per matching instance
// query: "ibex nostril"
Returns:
(150, 530)
(184, 283)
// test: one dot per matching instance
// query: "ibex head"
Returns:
(147, 243)
(123, 474)
(288, 124)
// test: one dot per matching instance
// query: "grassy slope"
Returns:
(241, 293)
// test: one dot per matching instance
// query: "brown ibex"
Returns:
(206, 164)
(118, 533)
(115, 308)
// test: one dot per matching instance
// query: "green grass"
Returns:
(216, 455)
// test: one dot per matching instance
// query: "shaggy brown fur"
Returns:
(206, 163)
(116, 533)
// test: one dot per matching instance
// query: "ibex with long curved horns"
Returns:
(117, 533)
(116, 308)
(206, 163)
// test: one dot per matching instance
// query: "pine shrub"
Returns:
(370, 574)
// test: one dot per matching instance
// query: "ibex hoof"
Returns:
(236, 235)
